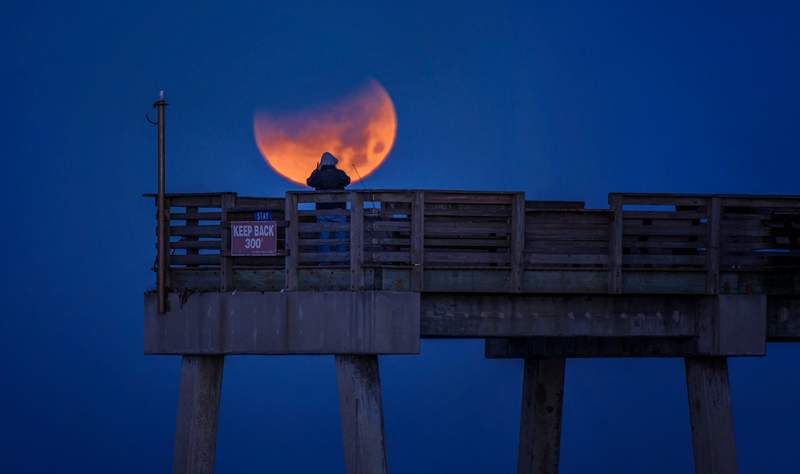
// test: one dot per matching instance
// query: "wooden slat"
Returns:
(665, 229)
(196, 231)
(417, 241)
(383, 257)
(194, 201)
(467, 198)
(323, 226)
(196, 244)
(664, 260)
(226, 265)
(384, 226)
(658, 215)
(292, 237)
(712, 255)
(461, 228)
(324, 212)
(660, 199)
(615, 232)
(533, 259)
(531, 232)
(330, 242)
(306, 257)
(517, 241)
(356, 241)
(195, 215)
(463, 257)
(194, 259)
(474, 211)
(500, 242)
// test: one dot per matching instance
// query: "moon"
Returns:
(359, 129)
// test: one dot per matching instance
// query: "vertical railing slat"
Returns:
(615, 244)
(292, 235)
(356, 241)
(225, 261)
(712, 246)
(417, 241)
(517, 241)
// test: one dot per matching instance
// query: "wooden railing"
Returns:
(437, 240)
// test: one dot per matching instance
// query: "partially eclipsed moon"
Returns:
(358, 129)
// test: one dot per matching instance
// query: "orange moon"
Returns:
(358, 129)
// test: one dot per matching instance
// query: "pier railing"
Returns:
(488, 241)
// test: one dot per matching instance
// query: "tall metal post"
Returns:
(160, 105)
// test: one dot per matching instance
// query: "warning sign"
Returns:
(250, 238)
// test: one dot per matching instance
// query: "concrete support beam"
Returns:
(361, 413)
(198, 414)
(566, 315)
(710, 414)
(290, 322)
(540, 419)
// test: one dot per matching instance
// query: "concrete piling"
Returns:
(540, 419)
(361, 413)
(198, 415)
(710, 414)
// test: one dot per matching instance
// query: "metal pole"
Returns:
(160, 105)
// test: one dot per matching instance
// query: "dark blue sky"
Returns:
(565, 101)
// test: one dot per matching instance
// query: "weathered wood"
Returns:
(194, 259)
(517, 241)
(226, 264)
(196, 231)
(540, 418)
(306, 257)
(615, 232)
(196, 244)
(323, 226)
(417, 241)
(361, 413)
(712, 253)
(533, 259)
(476, 258)
(192, 214)
(469, 197)
(198, 414)
(711, 416)
(634, 260)
(292, 236)
(755, 235)
(356, 241)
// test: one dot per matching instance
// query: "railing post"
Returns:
(225, 262)
(615, 244)
(292, 236)
(356, 241)
(417, 241)
(163, 222)
(517, 241)
(712, 245)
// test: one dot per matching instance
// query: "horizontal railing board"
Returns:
(474, 230)
(196, 231)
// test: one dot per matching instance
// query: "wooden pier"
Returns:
(703, 277)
